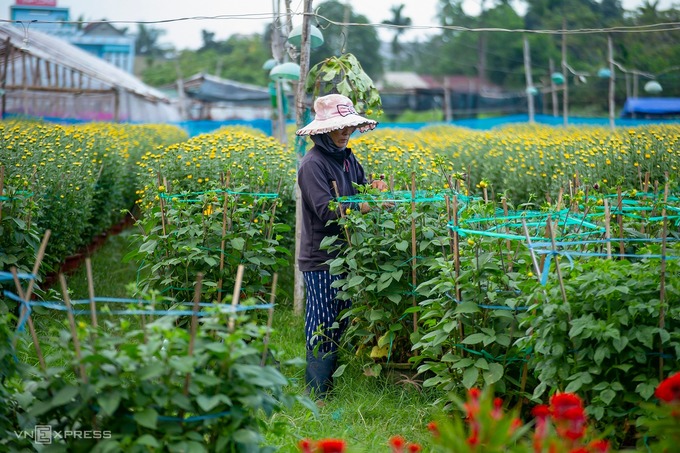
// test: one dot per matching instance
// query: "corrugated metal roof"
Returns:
(62, 53)
(402, 81)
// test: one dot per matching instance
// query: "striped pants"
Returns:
(322, 311)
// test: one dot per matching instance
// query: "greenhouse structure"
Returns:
(42, 76)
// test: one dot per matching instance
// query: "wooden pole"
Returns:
(529, 80)
(38, 262)
(342, 213)
(607, 228)
(29, 320)
(270, 318)
(612, 85)
(456, 263)
(619, 218)
(565, 71)
(2, 186)
(507, 230)
(236, 296)
(300, 109)
(662, 277)
(414, 250)
(449, 218)
(72, 324)
(224, 239)
(553, 89)
(194, 324)
(90, 289)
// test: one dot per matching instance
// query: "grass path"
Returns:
(364, 411)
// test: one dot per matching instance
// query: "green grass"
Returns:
(364, 411)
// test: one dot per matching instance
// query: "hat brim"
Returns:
(317, 127)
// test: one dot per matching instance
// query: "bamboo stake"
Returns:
(224, 238)
(456, 263)
(194, 324)
(38, 262)
(414, 250)
(162, 205)
(236, 296)
(29, 320)
(537, 274)
(662, 288)
(270, 317)
(557, 260)
(448, 216)
(2, 187)
(619, 217)
(537, 269)
(342, 213)
(507, 230)
(607, 229)
(90, 288)
(72, 324)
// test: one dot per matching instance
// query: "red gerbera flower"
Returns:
(562, 402)
(397, 443)
(432, 427)
(331, 446)
(599, 446)
(669, 389)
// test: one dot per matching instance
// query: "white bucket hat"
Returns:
(333, 112)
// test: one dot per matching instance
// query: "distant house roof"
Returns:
(408, 81)
(102, 29)
(209, 88)
(646, 107)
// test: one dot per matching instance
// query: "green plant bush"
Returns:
(158, 387)
(606, 340)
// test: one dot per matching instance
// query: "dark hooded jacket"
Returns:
(318, 168)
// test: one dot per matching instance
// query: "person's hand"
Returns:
(364, 208)
(379, 184)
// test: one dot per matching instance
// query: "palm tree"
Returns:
(399, 23)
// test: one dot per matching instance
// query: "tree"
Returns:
(147, 41)
(398, 22)
(239, 58)
(362, 42)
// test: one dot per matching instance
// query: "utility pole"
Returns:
(529, 80)
(300, 109)
(565, 69)
(553, 89)
(612, 86)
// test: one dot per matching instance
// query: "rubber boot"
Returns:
(319, 374)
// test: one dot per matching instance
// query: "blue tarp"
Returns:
(651, 107)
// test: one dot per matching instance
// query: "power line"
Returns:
(648, 28)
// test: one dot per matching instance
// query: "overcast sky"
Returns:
(247, 16)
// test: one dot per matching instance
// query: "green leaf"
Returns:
(108, 402)
(148, 441)
(467, 307)
(355, 281)
(208, 403)
(470, 376)
(150, 371)
(147, 418)
(64, 395)
(339, 371)
(149, 246)
(607, 396)
(494, 374)
(402, 246)
(475, 338)
(182, 364)
(238, 243)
